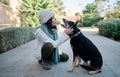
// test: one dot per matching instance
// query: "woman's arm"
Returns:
(43, 37)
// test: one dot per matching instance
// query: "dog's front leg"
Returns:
(73, 65)
(78, 61)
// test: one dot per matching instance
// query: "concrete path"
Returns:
(19, 62)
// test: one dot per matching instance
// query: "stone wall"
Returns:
(5, 13)
(9, 14)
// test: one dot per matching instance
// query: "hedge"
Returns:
(15, 36)
(89, 21)
(110, 28)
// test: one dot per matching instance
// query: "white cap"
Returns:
(45, 15)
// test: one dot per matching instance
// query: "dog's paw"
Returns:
(77, 65)
(94, 72)
(70, 69)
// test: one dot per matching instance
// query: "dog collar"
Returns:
(76, 34)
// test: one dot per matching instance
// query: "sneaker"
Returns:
(51, 63)
(45, 65)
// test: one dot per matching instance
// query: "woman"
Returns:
(49, 40)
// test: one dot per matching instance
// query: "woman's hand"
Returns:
(68, 30)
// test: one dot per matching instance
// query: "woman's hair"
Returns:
(49, 24)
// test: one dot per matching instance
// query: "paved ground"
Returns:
(19, 62)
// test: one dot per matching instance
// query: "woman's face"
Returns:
(54, 21)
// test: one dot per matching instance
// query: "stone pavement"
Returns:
(19, 62)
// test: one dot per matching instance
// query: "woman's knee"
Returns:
(47, 49)
(64, 57)
(47, 46)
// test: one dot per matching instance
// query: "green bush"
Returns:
(13, 37)
(89, 20)
(110, 28)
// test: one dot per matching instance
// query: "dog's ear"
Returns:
(76, 23)
(65, 21)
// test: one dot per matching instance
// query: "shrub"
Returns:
(110, 28)
(13, 37)
(88, 21)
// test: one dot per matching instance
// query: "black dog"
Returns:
(84, 49)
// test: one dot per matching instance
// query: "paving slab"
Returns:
(20, 62)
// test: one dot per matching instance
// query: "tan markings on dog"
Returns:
(94, 72)
(76, 62)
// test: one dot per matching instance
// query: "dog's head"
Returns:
(71, 24)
